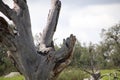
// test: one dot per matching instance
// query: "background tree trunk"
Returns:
(45, 64)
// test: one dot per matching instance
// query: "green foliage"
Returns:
(77, 55)
(105, 55)
(5, 64)
(110, 74)
(111, 39)
(87, 57)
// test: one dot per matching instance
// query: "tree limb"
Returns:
(21, 47)
(6, 10)
(6, 35)
(21, 3)
(53, 16)
(46, 40)
(63, 56)
(66, 49)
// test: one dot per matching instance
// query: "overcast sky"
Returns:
(83, 18)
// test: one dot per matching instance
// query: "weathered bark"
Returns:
(45, 64)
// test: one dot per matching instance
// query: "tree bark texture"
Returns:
(44, 64)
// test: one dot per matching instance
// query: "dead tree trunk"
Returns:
(45, 64)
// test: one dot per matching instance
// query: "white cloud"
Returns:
(95, 16)
(38, 14)
(86, 23)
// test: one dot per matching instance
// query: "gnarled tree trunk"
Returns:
(45, 64)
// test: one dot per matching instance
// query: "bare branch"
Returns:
(21, 48)
(21, 3)
(87, 72)
(67, 48)
(6, 35)
(6, 10)
(63, 56)
(53, 16)
(60, 66)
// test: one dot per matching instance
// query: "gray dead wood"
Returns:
(45, 64)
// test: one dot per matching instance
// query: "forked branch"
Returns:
(32, 65)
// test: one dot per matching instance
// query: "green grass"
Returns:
(72, 74)
(110, 74)
(13, 78)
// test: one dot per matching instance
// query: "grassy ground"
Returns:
(73, 74)
(13, 78)
(110, 74)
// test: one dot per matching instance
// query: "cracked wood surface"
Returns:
(45, 64)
